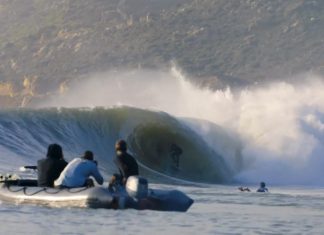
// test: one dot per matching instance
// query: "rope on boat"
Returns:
(44, 189)
(13, 180)
(24, 189)
(77, 191)
(34, 193)
(14, 191)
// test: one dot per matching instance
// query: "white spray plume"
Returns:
(281, 125)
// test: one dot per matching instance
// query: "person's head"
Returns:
(88, 155)
(54, 151)
(262, 185)
(121, 146)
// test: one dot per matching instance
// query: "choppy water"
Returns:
(217, 210)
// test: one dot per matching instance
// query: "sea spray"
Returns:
(277, 128)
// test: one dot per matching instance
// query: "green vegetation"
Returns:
(223, 42)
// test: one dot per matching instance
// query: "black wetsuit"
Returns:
(126, 164)
(49, 169)
(175, 152)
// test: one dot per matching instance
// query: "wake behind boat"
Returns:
(21, 191)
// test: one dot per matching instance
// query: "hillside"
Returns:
(44, 43)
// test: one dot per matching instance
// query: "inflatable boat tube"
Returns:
(27, 191)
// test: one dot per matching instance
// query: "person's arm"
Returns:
(96, 174)
(121, 166)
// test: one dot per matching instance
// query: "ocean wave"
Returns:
(161, 143)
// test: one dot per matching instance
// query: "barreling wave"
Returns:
(162, 144)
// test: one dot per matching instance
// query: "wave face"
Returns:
(163, 145)
(269, 132)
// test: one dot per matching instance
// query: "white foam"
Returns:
(280, 125)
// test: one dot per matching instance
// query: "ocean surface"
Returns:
(217, 210)
(204, 143)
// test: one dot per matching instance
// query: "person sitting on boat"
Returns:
(78, 171)
(126, 164)
(262, 188)
(50, 168)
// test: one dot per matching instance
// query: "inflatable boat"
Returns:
(21, 191)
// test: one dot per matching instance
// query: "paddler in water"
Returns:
(126, 164)
(262, 188)
(50, 168)
(78, 171)
(244, 189)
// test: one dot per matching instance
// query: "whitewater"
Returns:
(231, 137)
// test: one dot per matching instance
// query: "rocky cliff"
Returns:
(44, 44)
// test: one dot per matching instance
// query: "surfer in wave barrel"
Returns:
(175, 152)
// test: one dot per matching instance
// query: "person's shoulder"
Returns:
(262, 190)
(77, 159)
(90, 163)
(63, 162)
(122, 156)
(129, 155)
